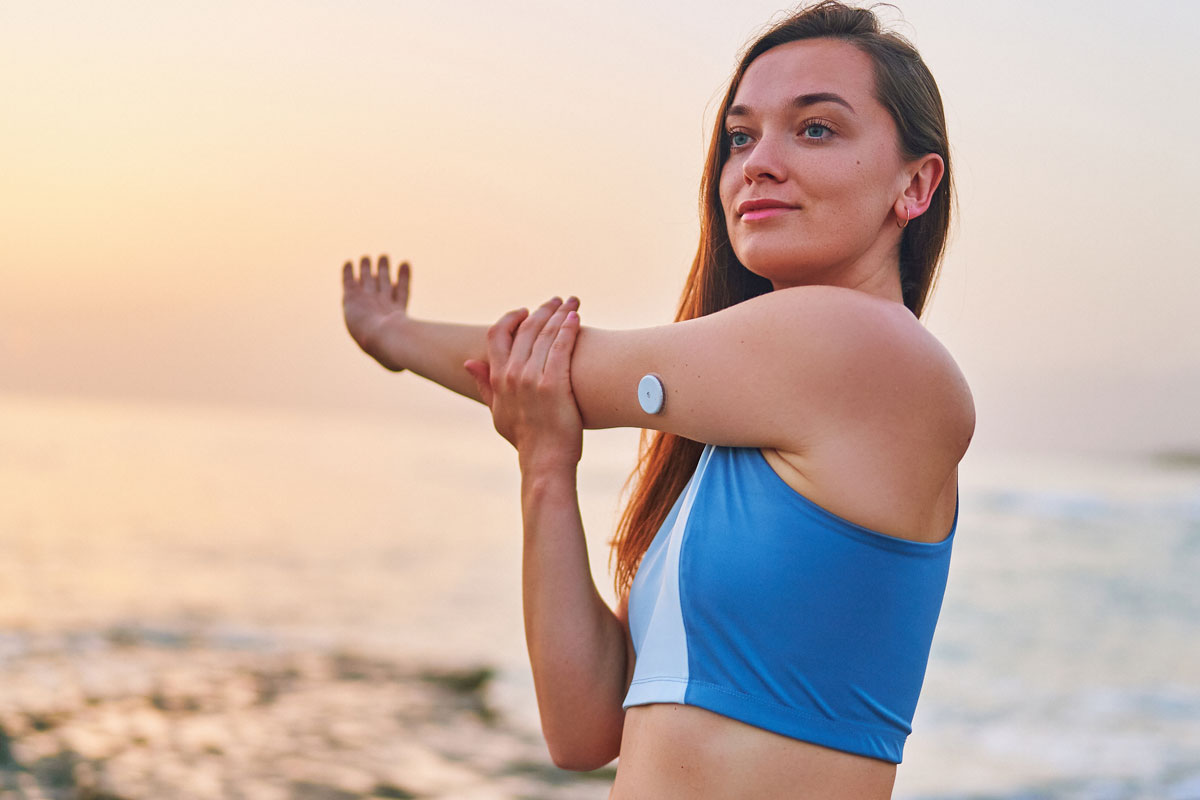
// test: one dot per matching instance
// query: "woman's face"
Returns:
(813, 170)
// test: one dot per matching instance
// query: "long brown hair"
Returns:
(717, 280)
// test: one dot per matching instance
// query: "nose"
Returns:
(766, 161)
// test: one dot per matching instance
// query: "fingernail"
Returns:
(572, 316)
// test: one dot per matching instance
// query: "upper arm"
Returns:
(769, 372)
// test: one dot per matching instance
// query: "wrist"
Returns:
(550, 461)
(542, 478)
(387, 342)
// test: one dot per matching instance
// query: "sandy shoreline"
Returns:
(125, 713)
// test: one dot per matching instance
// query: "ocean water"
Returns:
(1066, 663)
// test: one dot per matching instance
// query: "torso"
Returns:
(897, 479)
(678, 752)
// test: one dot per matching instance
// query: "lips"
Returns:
(764, 207)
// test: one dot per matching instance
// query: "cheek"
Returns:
(880, 173)
(857, 191)
(727, 187)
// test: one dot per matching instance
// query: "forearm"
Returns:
(577, 646)
(433, 350)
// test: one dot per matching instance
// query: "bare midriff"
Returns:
(677, 752)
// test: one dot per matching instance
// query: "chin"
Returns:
(794, 260)
(778, 265)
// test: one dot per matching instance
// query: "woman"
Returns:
(781, 563)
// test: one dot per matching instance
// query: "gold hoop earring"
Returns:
(905, 225)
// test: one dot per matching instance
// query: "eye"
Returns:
(817, 130)
(738, 139)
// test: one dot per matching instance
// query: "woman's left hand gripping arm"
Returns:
(526, 382)
(578, 648)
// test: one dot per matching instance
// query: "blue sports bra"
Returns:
(756, 603)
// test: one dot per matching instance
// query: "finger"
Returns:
(558, 362)
(500, 338)
(365, 277)
(383, 279)
(541, 345)
(531, 327)
(348, 275)
(482, 375)
(400, 290)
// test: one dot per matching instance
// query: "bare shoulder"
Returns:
(876, 361)
(898, 418)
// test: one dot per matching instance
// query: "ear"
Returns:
(924, 176)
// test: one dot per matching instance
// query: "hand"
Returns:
(526, 382)
(372, 303)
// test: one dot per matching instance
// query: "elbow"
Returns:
(581, 752)
(579, 761)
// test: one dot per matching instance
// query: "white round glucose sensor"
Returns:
(650, 394)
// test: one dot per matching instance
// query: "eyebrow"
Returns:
(798, 102)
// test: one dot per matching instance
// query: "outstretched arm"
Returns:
(376, 311)
(779, 370)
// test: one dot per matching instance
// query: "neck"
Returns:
(876, 272)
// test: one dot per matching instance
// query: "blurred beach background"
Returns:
(242, 561)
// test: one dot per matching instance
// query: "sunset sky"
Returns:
(181, 183)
